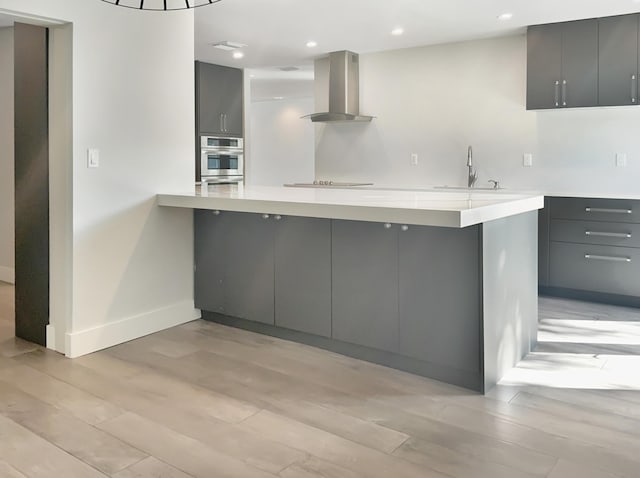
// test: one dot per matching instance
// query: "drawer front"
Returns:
(608, 210)
(608, 269)
(596, 232)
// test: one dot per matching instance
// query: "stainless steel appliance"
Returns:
(221, 159)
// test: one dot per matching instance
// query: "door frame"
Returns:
(60, 174)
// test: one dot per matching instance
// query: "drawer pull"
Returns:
(607, 258)
(623, 235)
(608, 211)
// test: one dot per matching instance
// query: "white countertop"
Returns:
(449, 208)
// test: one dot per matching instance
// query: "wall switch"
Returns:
(414, 159)
(93, 158)
(527, 160)
(621, 160)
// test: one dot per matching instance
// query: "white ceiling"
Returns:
(276, 31)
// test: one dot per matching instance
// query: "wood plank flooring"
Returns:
(204, 400)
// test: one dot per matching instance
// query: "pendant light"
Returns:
(161, 5)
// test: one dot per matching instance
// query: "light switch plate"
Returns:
(93, 158)
(527, 160)
(414, 159)
(621, 160)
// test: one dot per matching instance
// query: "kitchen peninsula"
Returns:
(438, 283)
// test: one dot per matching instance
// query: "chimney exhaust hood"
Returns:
(344, 90)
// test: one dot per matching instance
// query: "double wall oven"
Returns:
(221, 159)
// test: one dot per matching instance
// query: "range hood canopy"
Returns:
(344, 90)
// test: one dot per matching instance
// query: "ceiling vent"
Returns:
(289, 68)
(228, 45)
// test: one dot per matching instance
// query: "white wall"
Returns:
(281, 142)
(436, 101)
(133, 99)
(6, 157)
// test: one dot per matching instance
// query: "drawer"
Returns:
(608, 269)
(595, 232)
(609, 210)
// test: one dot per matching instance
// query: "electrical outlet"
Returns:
(414, 159)
(621, 160)
(93, 158)
(527, 160)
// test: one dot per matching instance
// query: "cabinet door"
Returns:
(440, 304)
(235, 265)
(365, 284)
(618, 60)
(579, 63)
(219, 93)
(544, 66)
(232, 106)
(303, 274)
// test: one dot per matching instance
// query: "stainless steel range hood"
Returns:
(344, 90)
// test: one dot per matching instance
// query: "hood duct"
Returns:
(344, 90)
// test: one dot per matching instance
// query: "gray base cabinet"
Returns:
(440, 296)
(303, 275)
(365, 284)
(593, 249)
(265, 268)
(235, 265)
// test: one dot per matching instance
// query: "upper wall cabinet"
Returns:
(562, 65)
(219, 92)
(618, 58)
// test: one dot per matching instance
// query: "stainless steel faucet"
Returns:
(473, 175)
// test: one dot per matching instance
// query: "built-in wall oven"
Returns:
(221, 159)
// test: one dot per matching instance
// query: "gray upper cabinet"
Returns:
(562, 65)
(303, 274)
(235, 265)
(435, 286)
(618, 58)
(365, 284)
(219, 99)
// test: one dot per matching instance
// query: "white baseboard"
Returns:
(101, 337)
(51, 337)
(7, 274)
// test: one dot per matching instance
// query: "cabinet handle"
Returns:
(634, 88)
(608, 211)
(404, 227)
(607, 258)
(557, 93)
(623, 235)
(265, 216)
(387, 225)
(564, 92)
(225, 122)
(221, 123)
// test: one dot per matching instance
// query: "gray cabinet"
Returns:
(562, 65)
(235, 265)
(618, 60)
(265, 268)
(439, 296)
(219, 99)
(593, 250)
(303, 274)
(365, 284)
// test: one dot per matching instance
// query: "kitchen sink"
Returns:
(461, 188)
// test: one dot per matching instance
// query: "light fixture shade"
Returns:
(161, 5)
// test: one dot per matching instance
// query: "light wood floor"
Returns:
(203, 400)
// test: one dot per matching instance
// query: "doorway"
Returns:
(40, 299)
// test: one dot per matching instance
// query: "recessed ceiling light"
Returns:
(505, 16)
(238, 54)
(312, 44)
(397, 31)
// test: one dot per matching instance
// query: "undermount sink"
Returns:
(461, 188)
